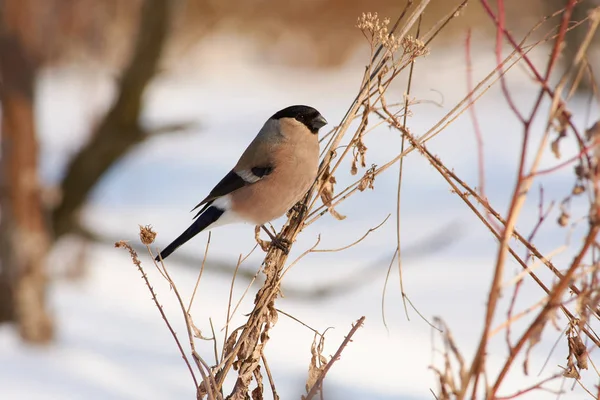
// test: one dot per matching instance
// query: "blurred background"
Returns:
(117, 113)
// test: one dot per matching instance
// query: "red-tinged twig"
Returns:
(538, 386)
(542, 215)
(563, 164)
(473, 114)
(533, 69)
(317, 386)
(520, 189)
(509, 313)
(553, 302)
(451, 178)
(500, 27)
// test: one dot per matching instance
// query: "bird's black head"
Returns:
(305, 114)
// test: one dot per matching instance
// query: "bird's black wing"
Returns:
(231, 182)
(211, 215)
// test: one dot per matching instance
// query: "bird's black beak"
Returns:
(318, 123)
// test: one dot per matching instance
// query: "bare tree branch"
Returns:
(120, 130)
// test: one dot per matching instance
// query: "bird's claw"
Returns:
(278, 242)
(282, 244)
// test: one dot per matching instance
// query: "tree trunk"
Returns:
(24, 235)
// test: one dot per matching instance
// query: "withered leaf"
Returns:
(554, 147)
(367, 180)
(593, 132)
(317, 362)
(327, 194)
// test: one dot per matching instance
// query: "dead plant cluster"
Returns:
(571, 299)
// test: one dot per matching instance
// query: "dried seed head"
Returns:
(578, 189)
(563, 220)
(413, 46)
(353, 168)
(147, 235)
(378, 31)
(369, 22)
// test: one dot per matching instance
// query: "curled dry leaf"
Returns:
(360, 149)
(593, 136)
(257, 393)
(563, 220)
(354, 168)
(580, 352)
(561, 125)
(571, 371)
(318, 362)
(554, 146)
(577, 358)
(534, 338)
(196, 331)
(327, 194)
(230, 344)
(264, 244)
(593, 132)
(368, 180)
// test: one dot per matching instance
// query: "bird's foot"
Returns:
(282, 244)
(278, 242)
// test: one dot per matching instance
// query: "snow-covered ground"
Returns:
(112, 343)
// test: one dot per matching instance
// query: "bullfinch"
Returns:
(273, 174)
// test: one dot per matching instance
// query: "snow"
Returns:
(112, 342)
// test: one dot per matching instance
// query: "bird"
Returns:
(272, 175)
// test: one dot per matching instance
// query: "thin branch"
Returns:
(200, 273)
(138, 264)
(317, 386)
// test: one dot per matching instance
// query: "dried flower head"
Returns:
(147, 235)
(377, 31)
(563, 220)
(413, 46)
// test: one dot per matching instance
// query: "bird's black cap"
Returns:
(305, 114)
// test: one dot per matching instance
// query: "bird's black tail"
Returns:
(204, 220)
